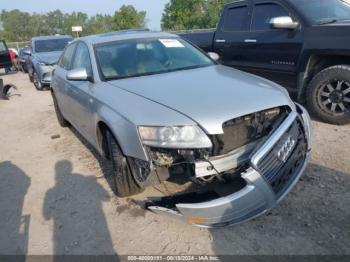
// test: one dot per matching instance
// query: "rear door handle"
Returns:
(220, 41)
(250, 41)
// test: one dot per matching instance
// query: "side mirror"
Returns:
(283, 22)
(79, 74)
(214, 56)
(27, 52)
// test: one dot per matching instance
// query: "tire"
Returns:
(24, 68)
(124, 182)
(328, 95)
(30, 77)
(36, 81)
(61, 120)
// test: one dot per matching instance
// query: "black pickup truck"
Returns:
(5, 59)
(303, 45)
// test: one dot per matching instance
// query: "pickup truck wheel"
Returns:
(328, 95)
(124, 182)
(38, 85)
(61, 120)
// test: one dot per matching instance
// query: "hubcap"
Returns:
(334, 97)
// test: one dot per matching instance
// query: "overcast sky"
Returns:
(154, 8)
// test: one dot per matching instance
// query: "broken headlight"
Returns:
(174, 137)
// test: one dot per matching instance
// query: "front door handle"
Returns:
(220, 41)
(250, 41)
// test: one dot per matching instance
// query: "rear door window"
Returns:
(236, 19)
(263, 14)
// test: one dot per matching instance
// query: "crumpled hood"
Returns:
(210, 96)
(49, 57)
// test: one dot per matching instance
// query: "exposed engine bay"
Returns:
(249, 179)
(215, 167)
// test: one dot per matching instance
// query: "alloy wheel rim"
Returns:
(334, 97)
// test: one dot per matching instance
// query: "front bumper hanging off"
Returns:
(274, 170)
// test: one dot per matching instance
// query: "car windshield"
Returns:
(51, 45)
(134, 58)
(324, 11)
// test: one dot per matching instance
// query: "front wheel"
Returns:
(24, 68)
(36, 81)
(60, 118)
(124, 182)
(30, 76)
(328, 95)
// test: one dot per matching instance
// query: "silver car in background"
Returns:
(160, 109)
(43, 56)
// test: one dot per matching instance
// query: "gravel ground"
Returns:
(54, 199)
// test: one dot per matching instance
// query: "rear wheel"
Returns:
(36, 81)
(61, 120)
(124, 182)
(328, 95)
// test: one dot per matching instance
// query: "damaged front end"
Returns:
(247, 170)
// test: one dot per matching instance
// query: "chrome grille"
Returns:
(279, 171)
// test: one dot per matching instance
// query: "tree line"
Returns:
(193, 14)
(20, 26)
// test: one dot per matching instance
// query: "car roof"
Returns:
(124, 35)
(48, 37)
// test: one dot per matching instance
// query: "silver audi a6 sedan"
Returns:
(160, 109)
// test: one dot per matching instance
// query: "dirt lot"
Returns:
(54, 199)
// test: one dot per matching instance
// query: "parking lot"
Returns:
(56, 200)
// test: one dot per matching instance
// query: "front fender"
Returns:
(37, 68)
(123, 130)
